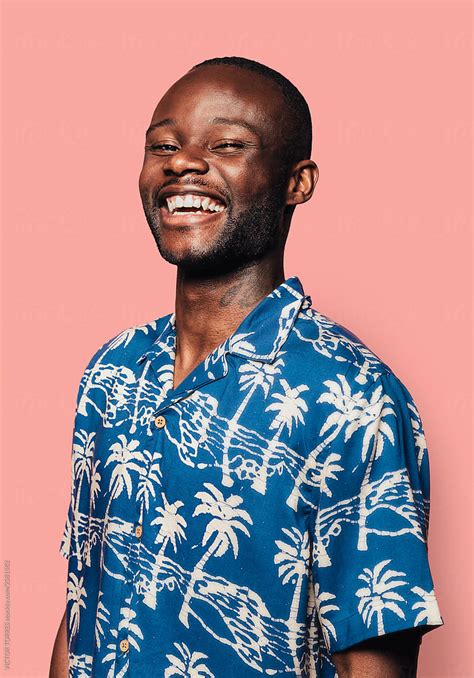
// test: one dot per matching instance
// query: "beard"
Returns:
(245, 238)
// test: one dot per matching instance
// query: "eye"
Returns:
(224, 145)
(161, 147)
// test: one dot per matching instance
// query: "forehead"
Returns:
(222, 91)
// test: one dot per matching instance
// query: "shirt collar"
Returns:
(262, 332)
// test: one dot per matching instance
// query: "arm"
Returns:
(59, 660)
(394, 655)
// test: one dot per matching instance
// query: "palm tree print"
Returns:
(429, 612)
(172, 526)
(140, 387)
(122, 339)
(253, 376)
(188, 664)
(226, 520)
(102, 618)
(321, 473)
(348, 408)
(324, 604)
(134, 632)
(352, 412)
(418, 433)
(289, 409)
(376, 431)
(94, 491)
(379, 594)
(75, 594)
(134, 636)
(293, 560)
(83, 454)
(148, 482)
(126, 459)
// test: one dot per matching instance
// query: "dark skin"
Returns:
(225, 265)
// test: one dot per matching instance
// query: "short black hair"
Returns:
(300, 141)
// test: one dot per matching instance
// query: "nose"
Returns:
(186, 160)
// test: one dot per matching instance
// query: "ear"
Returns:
(303, 180)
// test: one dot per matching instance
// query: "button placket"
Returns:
(130, 575)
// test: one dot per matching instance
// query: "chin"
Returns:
(202, 263)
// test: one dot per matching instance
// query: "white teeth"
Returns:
(195, 201)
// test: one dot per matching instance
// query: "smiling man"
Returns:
(250, 488)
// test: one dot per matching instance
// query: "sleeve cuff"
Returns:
(352, 630)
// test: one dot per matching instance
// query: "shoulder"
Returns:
(121, 353)
(331, 358)
(125, 347)
(351, 387)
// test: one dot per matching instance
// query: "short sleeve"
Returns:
(370, 564)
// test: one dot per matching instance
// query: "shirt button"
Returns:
(138, 531)
(124, 645)
(160, 421)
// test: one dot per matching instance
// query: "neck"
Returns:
(208, 310)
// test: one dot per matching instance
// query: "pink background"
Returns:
(383, 247)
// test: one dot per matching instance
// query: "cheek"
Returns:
(148, 176)
(143, 181)
(247, 182)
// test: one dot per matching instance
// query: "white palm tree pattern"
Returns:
(252, 377)
(75, 595)
(293, 558)
(269, 511)
(172, 529)
(226, 520)
(188, 664)
(379, 594)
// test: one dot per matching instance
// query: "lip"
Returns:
(181, 190)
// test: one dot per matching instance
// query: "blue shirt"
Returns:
(269, 511)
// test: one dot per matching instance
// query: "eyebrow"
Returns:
(169, 122)
(235, 121)
(166, 122)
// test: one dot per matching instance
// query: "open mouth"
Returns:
(191, 203)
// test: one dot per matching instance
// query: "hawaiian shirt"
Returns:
(269, 511)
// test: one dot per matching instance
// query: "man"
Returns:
(250, 482)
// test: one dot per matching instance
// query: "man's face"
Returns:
(213, 185)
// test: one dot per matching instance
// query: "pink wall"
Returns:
(383, 247)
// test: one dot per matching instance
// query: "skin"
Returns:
(59, 660)
(227, 263)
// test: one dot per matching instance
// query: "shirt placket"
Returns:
(125, 637)
(202, 375)
(125, 633)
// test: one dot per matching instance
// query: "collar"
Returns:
(262, 332)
